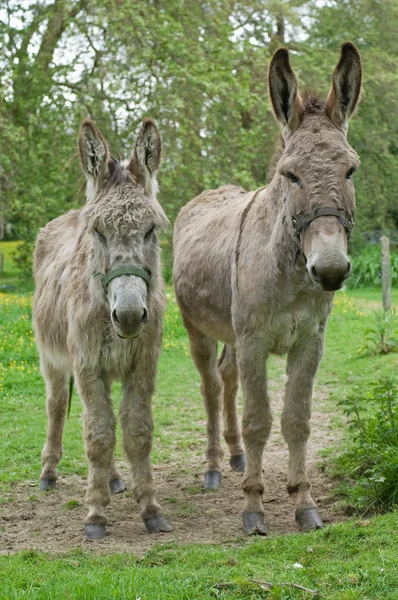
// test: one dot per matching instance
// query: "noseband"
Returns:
(302, 223)
(113, 273)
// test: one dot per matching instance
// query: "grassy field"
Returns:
(353, 560)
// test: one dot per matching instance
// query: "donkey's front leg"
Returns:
(137, 426)
(257, 420)
(100, 439)
(302, 364)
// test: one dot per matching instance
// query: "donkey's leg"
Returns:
(257, 420)
(100, 438)
(115, 479)
(137, 427)
(229, 373)
(303, 360)
(57, 401)
(204, 354)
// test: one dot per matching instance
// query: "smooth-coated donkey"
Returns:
(257, 271)
(98, 311)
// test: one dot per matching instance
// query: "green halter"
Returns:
(113, 273)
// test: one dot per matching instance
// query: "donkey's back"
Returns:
(205, 237)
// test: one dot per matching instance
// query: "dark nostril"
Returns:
(144, 316)
(114, 316)
(314, 274)
(348, 272)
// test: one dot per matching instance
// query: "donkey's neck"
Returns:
(274, 216)
(86, 256)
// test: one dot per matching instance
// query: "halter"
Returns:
(323, 211)
(128, 270)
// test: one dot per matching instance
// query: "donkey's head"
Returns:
(317, 163)
(123, 216)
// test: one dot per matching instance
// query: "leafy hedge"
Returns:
(368, 464)
(366, 268)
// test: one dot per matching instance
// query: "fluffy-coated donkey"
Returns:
(98, 310)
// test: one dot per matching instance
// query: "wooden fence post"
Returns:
(386, 272)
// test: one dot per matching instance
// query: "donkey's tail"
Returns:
(71, 382)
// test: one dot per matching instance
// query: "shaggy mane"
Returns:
(312, 103)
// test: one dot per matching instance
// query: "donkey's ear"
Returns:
(286, 100)
(346, 86)
(145, 161)
(93, 150)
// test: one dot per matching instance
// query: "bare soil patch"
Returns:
(44, 521)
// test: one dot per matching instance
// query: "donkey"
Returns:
(98, 311)
(257, 271)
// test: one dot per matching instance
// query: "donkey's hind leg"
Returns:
(115, 479)
(229, 373)
(204, 354)
(57, 401)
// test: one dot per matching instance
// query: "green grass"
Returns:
(344, 366)
(345, 561)
(355, 560)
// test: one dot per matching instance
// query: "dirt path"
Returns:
(46, 524)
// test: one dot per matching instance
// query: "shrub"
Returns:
(369, 463)
(366, 268)
(381, 336)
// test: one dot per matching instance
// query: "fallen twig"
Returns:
(268, 585)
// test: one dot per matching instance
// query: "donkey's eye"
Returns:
(150, 232)
(350, 173)
(99, 236)
(291, 177)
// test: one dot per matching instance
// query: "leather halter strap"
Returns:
(323, 211)
(127, 270)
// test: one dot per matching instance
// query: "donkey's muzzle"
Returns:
(128, 322)
(329, 275)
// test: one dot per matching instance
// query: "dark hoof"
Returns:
(308, 519)
(95, 531)
(212, 480)
(157, 524)
(253, 524)
(117, 486)
(238, 462)
(47, 484)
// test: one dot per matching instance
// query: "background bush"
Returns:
(366, 268)
(198, 68)
(369, 463)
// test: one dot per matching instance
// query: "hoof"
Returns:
(308, 519)
(47, 484)
(157, 524)
(117, 486)
(212, 480)
(238, 462)
(95, 531)
(253, 524)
